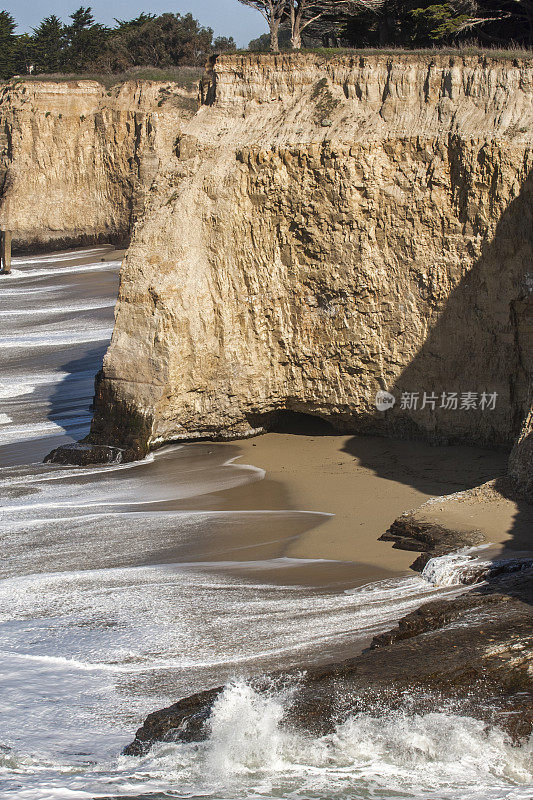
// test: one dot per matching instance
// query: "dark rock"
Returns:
(83, 454)
(185, 721)
(476, 650)
(409, 533)
(117, 424)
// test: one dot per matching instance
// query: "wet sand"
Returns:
(361, 483)
(365, 483)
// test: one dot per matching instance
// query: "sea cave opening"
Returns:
(300, 424)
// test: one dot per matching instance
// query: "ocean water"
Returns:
(119, 594)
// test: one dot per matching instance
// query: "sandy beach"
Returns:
(361, 483)
(365, 483)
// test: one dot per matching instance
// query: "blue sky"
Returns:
(226, 17)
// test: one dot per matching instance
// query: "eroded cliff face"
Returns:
(325, 230)
(76, 160)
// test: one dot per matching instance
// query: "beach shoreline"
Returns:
(340, 494)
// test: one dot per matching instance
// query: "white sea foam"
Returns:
(68, 308)
(451, 570)
(470, 565)
(21, 385)
(4, 419)
(104, 266)
(15, 390)
(38, 430)
(57, 338)
(29, 291)
(81, 651)
(396, 752)
(250, 753)
(68, 255)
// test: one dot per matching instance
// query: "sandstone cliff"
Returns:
(76, 160)
(325, 229)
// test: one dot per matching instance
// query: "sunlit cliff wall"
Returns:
(325, 229)
(76, 159)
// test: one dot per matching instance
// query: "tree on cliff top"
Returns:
(48, 44)
(302, 14)
(430, 23)
(85, 38)
(8, 45)
(168, 40)
(305, 13)
(274, 11)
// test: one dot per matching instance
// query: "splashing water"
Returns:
(250, 753)
(469, 566)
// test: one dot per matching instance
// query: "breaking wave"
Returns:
(250, 753)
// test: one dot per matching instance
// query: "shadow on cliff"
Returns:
(482, 341)
(72, 398)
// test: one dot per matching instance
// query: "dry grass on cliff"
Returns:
(185, 77)
(467, 50)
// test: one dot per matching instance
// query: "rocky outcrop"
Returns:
(328, 229)
(76, 160)
(84, 455)
(493, 512)
(476, 650)
(409, 532)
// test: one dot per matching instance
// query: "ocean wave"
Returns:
(251, 753)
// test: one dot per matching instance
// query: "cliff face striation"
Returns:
(76, 160)
(323, 230)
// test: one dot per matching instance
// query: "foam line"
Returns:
(40, 430)
(16, 274)
(66, 309)
(68, 663)
(26, 384)
(64, 256)
(57, 339)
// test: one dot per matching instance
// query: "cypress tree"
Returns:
(49, 45)
(8, 45)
